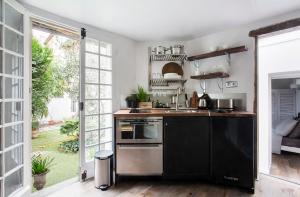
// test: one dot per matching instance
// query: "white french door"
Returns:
(96, 121)
(12, 96)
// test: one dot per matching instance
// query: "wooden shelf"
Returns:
(211, 76)
(218, 53)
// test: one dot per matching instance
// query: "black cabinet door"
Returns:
(186, 147)
(233, 151)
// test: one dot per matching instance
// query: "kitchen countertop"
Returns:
(166, 112)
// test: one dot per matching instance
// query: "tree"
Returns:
(47, 80)
(70, 71)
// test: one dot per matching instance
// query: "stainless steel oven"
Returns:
(140, 130)
(139, 147)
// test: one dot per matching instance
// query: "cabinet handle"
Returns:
(166, 124)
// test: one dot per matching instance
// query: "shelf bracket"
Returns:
(228, 59)
(220, 83)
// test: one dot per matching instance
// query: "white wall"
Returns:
(275, 61)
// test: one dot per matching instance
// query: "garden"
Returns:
(55, 143)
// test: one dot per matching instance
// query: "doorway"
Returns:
(55, 97)
(285, 98)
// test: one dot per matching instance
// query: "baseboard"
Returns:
(290, 149)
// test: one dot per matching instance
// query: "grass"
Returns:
(66, 164)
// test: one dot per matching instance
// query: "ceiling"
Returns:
(153, 20)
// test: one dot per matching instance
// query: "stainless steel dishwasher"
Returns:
(139, 148)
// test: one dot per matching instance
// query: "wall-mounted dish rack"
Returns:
(162, 83)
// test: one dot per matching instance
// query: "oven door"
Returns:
(139, 160)
(147, 130)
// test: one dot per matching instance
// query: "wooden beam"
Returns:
(276, 27)
(218, 53)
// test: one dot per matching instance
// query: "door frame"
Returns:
(272, 29)
(32, 17)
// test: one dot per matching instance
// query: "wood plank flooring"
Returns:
(286, 166)
(266, 187)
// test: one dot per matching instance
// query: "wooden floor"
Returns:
(266, 187)
(286, 166)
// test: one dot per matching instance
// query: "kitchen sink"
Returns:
(181, 111)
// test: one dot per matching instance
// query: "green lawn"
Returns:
(66, 164)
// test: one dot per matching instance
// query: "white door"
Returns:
(96, 101)
(12, 97)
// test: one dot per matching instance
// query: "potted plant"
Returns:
(132, 101)
(143, 98)
(35, 129)
(40, 167)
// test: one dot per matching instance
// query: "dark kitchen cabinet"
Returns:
(233, 151)
(187, 147)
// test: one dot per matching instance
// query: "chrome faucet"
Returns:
(177, 97)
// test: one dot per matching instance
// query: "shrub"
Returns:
(70, 146)
(70, 128)
(41, 164)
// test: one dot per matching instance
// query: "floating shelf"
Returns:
(218, 53)
(211, 76)
(168, 57)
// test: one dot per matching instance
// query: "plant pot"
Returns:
(39, 180)
(145, 105)
(35, 129)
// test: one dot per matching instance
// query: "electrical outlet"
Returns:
(231, 84)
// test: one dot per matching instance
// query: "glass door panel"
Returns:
(96, 94)
(11, 98)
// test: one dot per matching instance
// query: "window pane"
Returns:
(13, 18)
(13, 135)
(13, 182)
(1, 141)
(13, 88)
(91, 60)
(105, 77)
(90, 152)
(13, 111)
(92, 137)
(105, 92)
(105, 63)
(92, 45)
(91, 123)
(13, 158)
(91, 107)
(1, 62)
(105, 135)
(91, 76)
(13, 41)
(105, 121)
(1, 88)
(13, 65)
(91, 91)
(106, 146)
(1, 168)
(105, 48)
(1, 36)
(105, 106)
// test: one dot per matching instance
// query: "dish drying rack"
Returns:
(163, 84)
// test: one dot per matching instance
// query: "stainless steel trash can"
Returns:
(103, 169)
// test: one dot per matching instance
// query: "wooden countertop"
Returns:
(160, 113)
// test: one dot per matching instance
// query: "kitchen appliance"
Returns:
(204, 102)
(139, 149)
(140, 130)
(226, 104)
